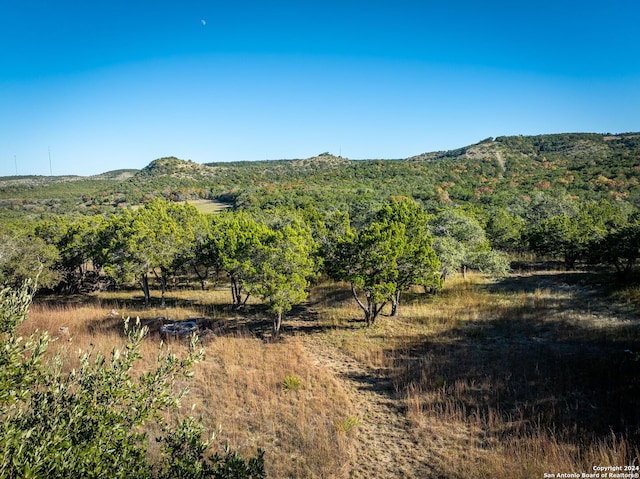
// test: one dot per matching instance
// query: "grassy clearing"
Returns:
(506, 379)
(300, 428)
(238, 389)
(209, 206)
(509, 379)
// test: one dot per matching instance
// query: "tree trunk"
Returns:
(464, 272)
(371, 309)
(235, 299)
(277, 322)
(145, 290)
(163, 285)
(201, 277)
(394, 304)
(244, 301)
(368, 315)
(366, 309)
(372, 313)
(236, 294)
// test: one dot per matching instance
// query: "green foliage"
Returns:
(386, 257)
(417, 264)
(283, 264)
(491, 173)
(512, 185)
(158, 237)
(184, 457)
(575, 232)
(274, 264)
(620, 247)
(349, 424)
(90, 422)
(20, 358)
(505, 230)
(75, 242)
(460, 243)
(371, 266)
(232, 245)
(23, 255)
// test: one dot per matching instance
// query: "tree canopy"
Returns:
(386, 257)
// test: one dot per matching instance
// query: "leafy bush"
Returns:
(91, 421)
(184, 457)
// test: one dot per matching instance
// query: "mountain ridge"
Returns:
(553, 143)
(494, 172)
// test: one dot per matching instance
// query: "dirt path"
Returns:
(383, 448)
(501, 161)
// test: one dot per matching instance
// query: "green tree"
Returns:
(185, 457)
(386, 257)
(23, 255)
(191, 227)
(621, 248)
(234, 240)
(461, 243)
(368, 261)
(417, 263)
(283, 264)
(560, 236)
(574, 234)
(144, 242)
(504, 230)
(75, 241)
(126, 252)
(205, 255)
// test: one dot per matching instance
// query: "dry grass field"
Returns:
(507, 379)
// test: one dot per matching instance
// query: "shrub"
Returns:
(91, 421)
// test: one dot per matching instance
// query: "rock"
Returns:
(206, 335)
(178, 330)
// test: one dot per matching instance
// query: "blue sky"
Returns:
(104, 85)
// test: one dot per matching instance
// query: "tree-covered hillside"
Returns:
(492, 173)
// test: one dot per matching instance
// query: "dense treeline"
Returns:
(571, 197)
(271, 254)
(274, 253)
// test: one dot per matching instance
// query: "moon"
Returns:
(204, 22)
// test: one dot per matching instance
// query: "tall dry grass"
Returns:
(512, 379)
(508, 380)
(238, 390)
(241, 386)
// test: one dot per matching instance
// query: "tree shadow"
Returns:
(304, 320)
(529, 365)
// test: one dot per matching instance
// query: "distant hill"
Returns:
(272, 169)
(116, 175)
(568, 146)
(580, 163)
(177, 168)
(492, 173)
(32, 180)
